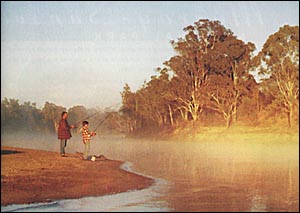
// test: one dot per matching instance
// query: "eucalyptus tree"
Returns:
(188, 66)
(208, 49)
(279, 61)
(230, 60)
(154, 98)
(129, 109)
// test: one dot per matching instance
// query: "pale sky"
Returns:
(83, 53)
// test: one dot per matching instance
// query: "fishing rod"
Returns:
(110, 107)
(102, 121)
(86, 118)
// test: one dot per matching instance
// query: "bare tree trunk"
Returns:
(194, 110)
(165, 116)
(234, 113)
(184, 114)
(258, 107)
(130, 128)
(171, 115)
(290, 115)
(235, 83)
(159, 119)
(55, 126)
(289, 118)
(228, 119)
(194, 114)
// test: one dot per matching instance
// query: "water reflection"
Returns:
(248, 175)
(217, 176)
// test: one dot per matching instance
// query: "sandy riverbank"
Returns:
(31, 176)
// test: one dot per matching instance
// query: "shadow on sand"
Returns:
(7, 152)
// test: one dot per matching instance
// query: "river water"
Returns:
(252, 175)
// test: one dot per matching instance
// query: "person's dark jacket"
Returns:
(64, 129)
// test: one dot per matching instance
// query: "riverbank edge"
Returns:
(53, 177)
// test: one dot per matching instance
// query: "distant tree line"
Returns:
(27, 117)
(210, 82)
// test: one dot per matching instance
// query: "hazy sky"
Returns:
(83, 53)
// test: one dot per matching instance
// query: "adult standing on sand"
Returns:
(64, 132)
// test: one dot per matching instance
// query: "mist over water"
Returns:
(23, 139)
(252, 175)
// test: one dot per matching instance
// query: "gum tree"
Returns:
(188, 66)
(230, 61)
(279, 59)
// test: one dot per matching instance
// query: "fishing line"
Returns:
(111, 108)
(86, 118)
(102, 121)
(109, 113)
(92, 115)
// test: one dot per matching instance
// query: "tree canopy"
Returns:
(210, 76)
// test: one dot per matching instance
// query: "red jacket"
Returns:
(64, 129)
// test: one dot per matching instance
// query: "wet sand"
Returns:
(32, 176)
